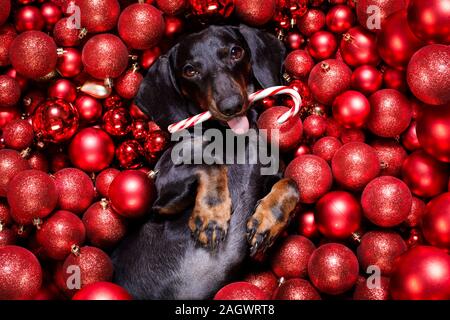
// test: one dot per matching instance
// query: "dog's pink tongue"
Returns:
(239, 125)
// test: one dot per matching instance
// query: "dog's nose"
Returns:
(231, 105)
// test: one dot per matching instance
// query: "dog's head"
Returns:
(211, 70)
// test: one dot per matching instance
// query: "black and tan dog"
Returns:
(208, 218)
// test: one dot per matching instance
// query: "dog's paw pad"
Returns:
(207, 229)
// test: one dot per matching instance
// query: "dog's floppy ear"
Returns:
(268, 55)
(159, 96)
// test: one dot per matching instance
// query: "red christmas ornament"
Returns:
(424, 175)
(5, 213)
(22, 81)
(358, 47)
(326, 148)
(117, 122)
(294, 40)
(212, 8)
(296, 289)
(139, 129)
(29, 18)
(173, 26)
(75, 188)
(55, 121)
(409, 138)
(307, 168)
(422, 273)
(395, 79)
(338, 215)
(148, 57)
(59, 233)
(171, 7)
(416, 213)
(11, 163)
(340, 18)
(352, 135)
(391, 156)
(113, 101)
(298, 64)
(333, 268)
(372, 13)
(264, 280)
(105, 56)
(7, 237)
(38, 161)
(328, 79)
(313, 21)
(89, 108)
(351, 109)
(436, 221)
(32, 100)
(98, 15)
(18, 134)
(302, 150)
(386, 201)
(6, 39)
(63, 89)
(256, 12)
(427, 74)
(314, 126)
(91, 150)
(33, 54)
(102, 291)
(9, 91)
(20, 273)
(322, 45)
(127, 85)
(65, 34)
(290, 260)
(104, 179)
(367, 79)
(334, 129)
(69, 63)
(241, 291)
(129, 154)
(6, 8)
(51, 14)
(145, 18)
(364, 291)
(31, 194)
(131, 193)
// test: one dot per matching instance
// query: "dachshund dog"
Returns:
(206, 218)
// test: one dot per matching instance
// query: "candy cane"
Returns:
(259, 95)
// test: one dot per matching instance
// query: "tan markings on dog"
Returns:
(212, 212)
(174, 208)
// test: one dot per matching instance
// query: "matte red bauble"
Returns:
(409, 138)
(63, 89)
(354, 165)
(98, 15)
(367, 79)
(364, 291)
(117, 121)
(59, 233)
(333, 268)
(307, 225)
(102, 291)
(340, 18)
(241, 291)
(91, 150)
(104, 179)
(351, 109)
(20, 273)
(422, 273)
(307, 168)
(265, 280)
(424, 175)
(338, 215)
(256, 12)
(326, 148)
(69, 63)
(11, 163)
(51, 13)
(33, 54)
(9, 91)
(145, 18)
(18, 134)
(395, 79)
(296, 289)
(386, 201)
(29, 18)
(372, 13)
(391, 156)
(127, 85)
(436, 221)
(298, 63)
(358, 47)
(322, 45)
(311, 22)
(89, 109)
(65, 35)
(6, 8)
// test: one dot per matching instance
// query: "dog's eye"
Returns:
(189, 71)
(236, 53)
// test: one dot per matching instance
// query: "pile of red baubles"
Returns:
(369, 151)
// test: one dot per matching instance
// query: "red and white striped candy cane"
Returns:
(259, 95)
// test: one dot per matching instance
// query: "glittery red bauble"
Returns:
(104, 179)
(63, 89)
(358, 47)
(333, 268)
(436, 221)
(69, 63)
(89, 108)
(294, 40)
(59, 233)
(367, 79)
(9, 91)
(33, 54)
(307, 168)
(289, 133)
(241, 291)
(6, 39)
(340, 18)
(130, 154)
(102, 291)
(171, 7)
(322, 45)
(409, 138)
(424, 175)
(395, 79)
(264, 280)
(296, 289)
(314, 126)
(98, 15)
(391, 156)
(298, 63)
(7, 237)
(55, 120)
(51, 13)
(338, 215)
(75, 188)
(422, 273)
(29, 18)
(326, 148)
(386, 201)
(429, 20)
(64, 35)
(354, 165)
(391, 113)
(370, 12)
(313, 21)
(290, 259)
(91, 150)
(38, 161)
(131, 193)
(105, 56)
(31, 194)
(351, 109)
(6, 8)
(20, 273)
(11, 163)
(127, 85)
(328, 79)
(21, 80)
(18, 134)
(5, 213)
(256, 12)
(364, 291)
(396, 42)
(94, 264)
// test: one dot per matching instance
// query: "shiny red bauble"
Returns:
(59, 233)
(20, 273)
(340, 18)
(18, 134)
(409, 137)
(8, 114)
(427, 74)
(255, 13)
(358, 47)
(333, 268)
(104, 179)
(102, 291)
(9, 91)
(105, 56)
(351, 109)
(364, 291)
(149, 56)
(391, 155)
(51, 13)
(322, 45)
(307, 225)
(127, 85)
(298, 63)
(69, 63)
(11, 163)
(91, 150)
(31, 194)
(422, 273)
(367, 79)
(326, 147)
(290, 260)
(296, 289)
(33, 54)
(386, 201)
(306, 168)
(29, 18)
(424, 175)
(265, 280)
(63, 89)
(65, 35)
(241, 291)
(372, 13)
(418, 209)
(131, 193)
(311, 22)
(294, 40)
(139, 129)
(436, 221)
(211, 10)
(117, 121)
(89, 109)
(6, 8)
(338, 215)
(98, 15)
